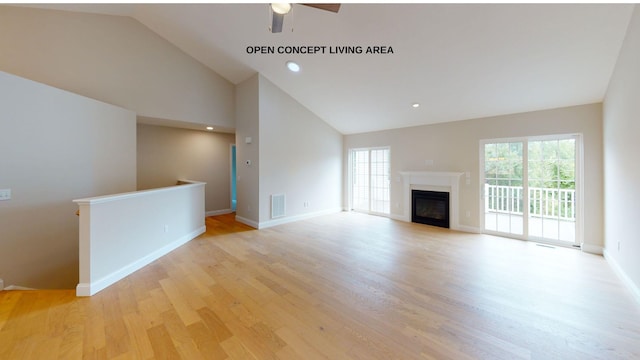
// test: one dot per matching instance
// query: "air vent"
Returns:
(277, 206)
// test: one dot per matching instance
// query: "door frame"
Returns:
(233, 179)
(579, 194)
(350, 153)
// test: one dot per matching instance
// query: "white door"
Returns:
(503, 191)
(370, 180)
(552, 189)
(531, 188)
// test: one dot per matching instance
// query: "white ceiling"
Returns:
(458, 61)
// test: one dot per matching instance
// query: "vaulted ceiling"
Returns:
(458, 61)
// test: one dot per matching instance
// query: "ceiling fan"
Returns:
(279, 10)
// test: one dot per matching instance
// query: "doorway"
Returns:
(531, 188)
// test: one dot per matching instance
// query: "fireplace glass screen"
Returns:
(430, 207)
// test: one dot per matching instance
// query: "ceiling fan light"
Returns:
(281, 8)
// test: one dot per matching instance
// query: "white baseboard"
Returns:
(399, 217)
(635, 290)
(218, 212)
(15, 287)
(469, 229)
(289, 219)
(253, 224)
(285, 220)
(591, 249)
(463, 228)
(89, 289)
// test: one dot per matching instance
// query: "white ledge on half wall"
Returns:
(433, 180)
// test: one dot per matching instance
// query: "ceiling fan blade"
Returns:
(328, 7)
(276, 23)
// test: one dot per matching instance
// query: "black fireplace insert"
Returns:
(430, 207)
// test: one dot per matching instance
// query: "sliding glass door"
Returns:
(530, 188)
(552, 189)
(370, 180)
(503, 187)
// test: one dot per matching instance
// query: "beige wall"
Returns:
(247, 125)
(56, 147)
(621, 149)
(300, 156)
(113, 59)
(168, 154)
(455, 147)
(292, 152)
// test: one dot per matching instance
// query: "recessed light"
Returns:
(293, 66)
(415, 105)
(209, 128)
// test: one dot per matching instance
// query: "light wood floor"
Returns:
(344, 286)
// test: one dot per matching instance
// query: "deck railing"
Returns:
(544, 203)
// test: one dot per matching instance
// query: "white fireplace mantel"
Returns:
(446, 181)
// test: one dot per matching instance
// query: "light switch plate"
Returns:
(5, 194)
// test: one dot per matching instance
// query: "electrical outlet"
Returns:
(618, 245)
(5, 194)
(166, 228)
(468, 214)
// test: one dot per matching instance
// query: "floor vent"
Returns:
(277, 206)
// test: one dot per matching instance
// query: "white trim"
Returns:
(289, 219)
(449, 180)
(218, 212)
(591, 249)
(89, 289)
(579, 188)
(469, 229)
(83, 289)
(350, 161)
(462, 228)
(626, 280)
(109, 198)
(231, 147)
(253, 224)
(1, 285)
(15, 287)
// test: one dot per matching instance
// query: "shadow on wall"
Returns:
(41, 246)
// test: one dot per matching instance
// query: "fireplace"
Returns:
(434, 181)
(430, 207)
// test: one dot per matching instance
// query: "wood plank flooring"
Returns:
(343, 286)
